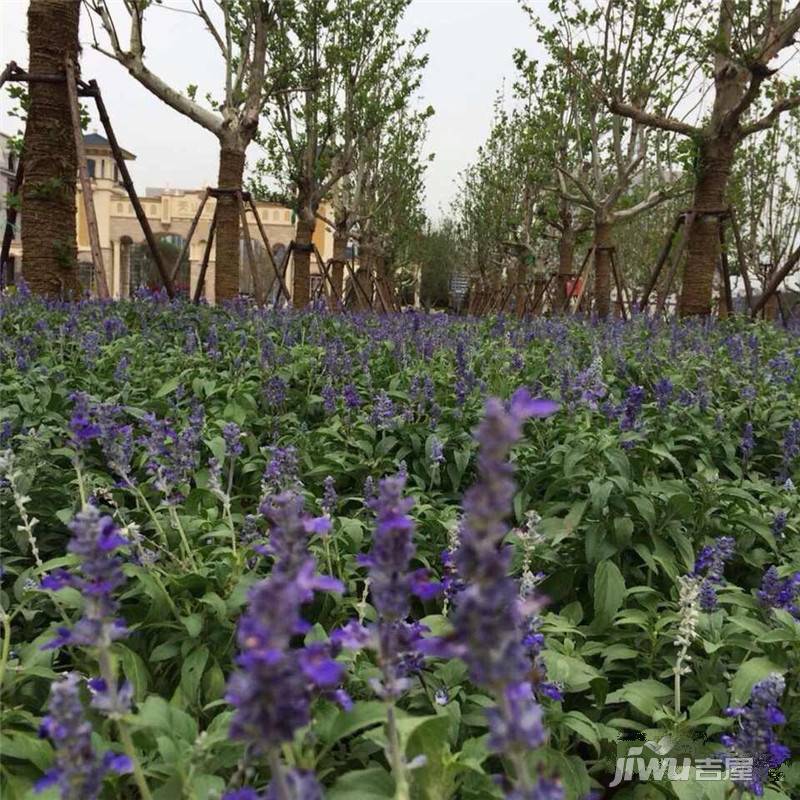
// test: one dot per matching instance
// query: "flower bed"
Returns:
(306, 555)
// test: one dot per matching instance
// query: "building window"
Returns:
(102, 168)
(116, 174)
(11, 162)
(90, 166)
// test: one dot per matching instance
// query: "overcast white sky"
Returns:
(470, 46)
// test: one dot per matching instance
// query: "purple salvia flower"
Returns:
(755, 737)
(710, 566)
(748, 443)
(329, 398)
(779, 524)
(383, 412)
(782, 593)
(495, 654)
(329, 496)
(392, 584)
(631, 408)
(78, 772)
(232, 435)
(275, 391)
(94, 540)
(351, 397)
(282, 469)
(791, 448)
(274, 682)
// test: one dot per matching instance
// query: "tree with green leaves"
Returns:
(241, 32)
(608, 156)
(328, 60)
(699, 69)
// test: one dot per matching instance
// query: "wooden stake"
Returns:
(565, 307)
(263, 233)
(725, 270)
(282, 276)
(94, 91)
(187, 242)
(86, 183)
(653, 280)
(737, 238)
(259, 290)
(201, 278)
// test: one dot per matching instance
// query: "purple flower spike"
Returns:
(523, 405)
(755, 738)
(94, 540)
(78, 772)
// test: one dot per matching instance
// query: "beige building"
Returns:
(127, 260)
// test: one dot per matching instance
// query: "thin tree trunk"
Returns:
(603, 240)
(539, 284)
(304, 235)
(50, 260)
(226, 271)
(703, 247)
(337, 264)
(566, 256)
(363, 292)
(520, 289)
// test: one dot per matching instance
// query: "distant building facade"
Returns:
(8, 172)
(126, 258)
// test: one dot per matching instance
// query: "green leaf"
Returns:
(362, 715)
(363, 784)
(135, 670)
(169, 385)
(644, 695)
(749, 673)
(609, 592)
(192, 673)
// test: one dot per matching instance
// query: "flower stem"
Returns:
(278, 775)
(396, 758)
(176, 523)
(5, 620)
(108, 673)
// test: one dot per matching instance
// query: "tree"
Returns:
(765, 190)
(606, 155)
(728, 51)
(336, 54)
(241, 32)
(51, 164)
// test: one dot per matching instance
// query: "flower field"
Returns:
(303, 555)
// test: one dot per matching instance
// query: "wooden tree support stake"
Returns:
(259, 290)
(93, 90)
(187, 242)
(86, 183)
(201, 277)
(281, 284)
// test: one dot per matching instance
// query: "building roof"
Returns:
(97, 141)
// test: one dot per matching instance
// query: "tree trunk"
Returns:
(50, 252)
(566, 256)
(362, 293)
(603, 241)
(303, 237)
(337, 265)
(520, 289)
(226, 270)
(539, 284)
(703, 247)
